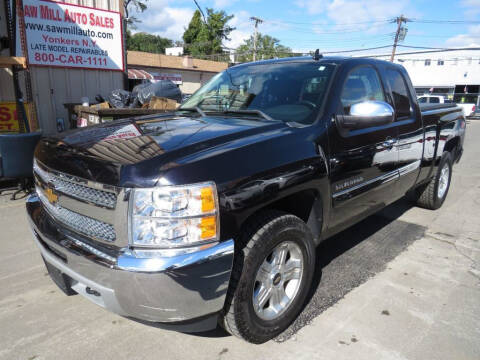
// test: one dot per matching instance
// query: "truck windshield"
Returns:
(290, 92)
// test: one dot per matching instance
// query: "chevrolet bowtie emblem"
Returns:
(51, 196)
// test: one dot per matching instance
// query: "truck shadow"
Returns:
(348, 259)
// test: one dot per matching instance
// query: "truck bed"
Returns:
(426, 107)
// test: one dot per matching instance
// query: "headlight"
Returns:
(174, 216)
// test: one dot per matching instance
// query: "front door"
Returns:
(363, 162)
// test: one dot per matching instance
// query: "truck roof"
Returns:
(325, 59)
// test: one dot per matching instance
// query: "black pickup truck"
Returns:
(212, 213)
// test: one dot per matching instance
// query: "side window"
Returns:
(399, 89)
(423, 100)
(434, 100)
(362, 84)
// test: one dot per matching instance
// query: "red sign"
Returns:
(9, 117)
(66, 35)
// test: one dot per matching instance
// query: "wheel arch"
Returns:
(452, 146)
(306, 204)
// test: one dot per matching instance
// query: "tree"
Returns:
(202, 38)
(138, 6)
(191, 33)
(267, 48)
(147, 42)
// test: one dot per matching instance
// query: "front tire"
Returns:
(271, 277)
(432, 195)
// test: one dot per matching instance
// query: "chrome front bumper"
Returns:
(166, 290)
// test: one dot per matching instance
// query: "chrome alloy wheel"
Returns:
(278, 280)
(443, 181)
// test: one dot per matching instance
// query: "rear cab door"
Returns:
(408, 122)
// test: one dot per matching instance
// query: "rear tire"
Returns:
(432, 195)
(251, 310)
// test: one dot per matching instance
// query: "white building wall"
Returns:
(192, 81)
(174, 51)
(459, 68)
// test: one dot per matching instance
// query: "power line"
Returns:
(318, 32)
(374, 21)
(335, 27)
(420, 47)
(356, 50)
(350, 28)
(371, 36)
(301, 53)
(320, 42)
(438, 36)
(326, 24)
(201, 11)
(430, 51)
(425, 21)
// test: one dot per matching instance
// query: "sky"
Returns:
(330, 25)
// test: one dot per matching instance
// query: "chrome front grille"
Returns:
(79, 223)
(78, 191)
(81, 206)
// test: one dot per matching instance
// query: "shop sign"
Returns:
(175, 78)
(65, 35)
(9, 117)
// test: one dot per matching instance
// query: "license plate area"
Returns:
(63, 281)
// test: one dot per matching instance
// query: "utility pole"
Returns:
(257, 21)
(399, 20)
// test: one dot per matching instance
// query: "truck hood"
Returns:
(112, 153)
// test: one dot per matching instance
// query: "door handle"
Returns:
(388, 144)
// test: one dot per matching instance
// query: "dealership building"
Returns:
(454, 74)
(68, 52)
(188, 73)
(46, 85)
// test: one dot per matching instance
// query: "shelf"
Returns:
(7, 61)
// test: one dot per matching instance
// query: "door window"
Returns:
(362, 84)
(423, 100)
(401, 98)
(434, 100)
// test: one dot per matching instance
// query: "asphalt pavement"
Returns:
(402, 284)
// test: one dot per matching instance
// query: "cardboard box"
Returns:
(103, 105)
(161, 103)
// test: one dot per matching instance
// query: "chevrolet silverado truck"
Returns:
(211, 214)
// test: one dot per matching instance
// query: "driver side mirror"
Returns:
(366, 114)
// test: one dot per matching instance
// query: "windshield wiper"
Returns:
(251, 111)
(196, 109)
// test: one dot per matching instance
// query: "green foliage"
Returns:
(147, 42)
(194, 27)
(139, 6)
(206, 39)
(267, 48)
